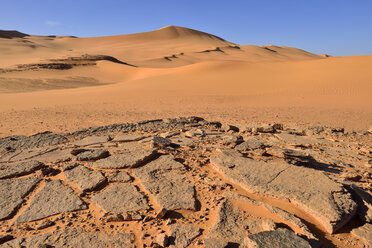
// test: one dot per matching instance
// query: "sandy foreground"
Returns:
(177, 72)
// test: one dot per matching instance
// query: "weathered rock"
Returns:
(165, 179)
(92, 140)
(53, 199)
(280, 238)
(162, 239)
(364, 232)
(161, 142)
(364, 200)
(327, 201)
(78, 151)
(92, 155)
(45, 224)
(12, 192)
(55, 156)
(300, 141)
(261, 128)
(161, 213)
(169, 134)
(232, 224)
(120, 177)
(181, 236)
(20, 169)
(251, 143)
(37, 140)
(120, 198)
(231, 140)
(84, 178)
(198, 133)
(20, 155)
(126, 137)
(74, 238)
(227, 127)
(130, 159)
(184, 141)
(297, 155)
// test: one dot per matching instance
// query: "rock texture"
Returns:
(74, 238)
(202, 184)
(53, 199)
(84, 178)
(19, 169)
(128, 159)
(164, 178)
(121, 198)
(12, 193)
(328, 201)
(280, 238)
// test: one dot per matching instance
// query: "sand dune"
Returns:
(176, 70)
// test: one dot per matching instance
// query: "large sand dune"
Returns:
(173, 71)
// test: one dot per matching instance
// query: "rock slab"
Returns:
(165, 179)
(130, 159)
(74, 238)
(327, 201)
(84, 178)
(12, 192)
(53, 199)
(121, 198)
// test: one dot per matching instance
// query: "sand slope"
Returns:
(177, 70)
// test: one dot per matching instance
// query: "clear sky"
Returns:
(336, 27)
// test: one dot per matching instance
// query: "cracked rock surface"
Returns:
(187, 182)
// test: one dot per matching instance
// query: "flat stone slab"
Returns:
(126, 137)
(129, 159)
(364, 232)
(232, 225)
(92, 155)
(250, 143)
(12, 192)
(54, 198)
(85, 179)
(74, 238)
(120, 177)
(280, 238)
(327, 201)
(20, 155)
(165, 179)
(181, 235)
(19, 169)
(297, 140)
(92, 140)
(121, 198)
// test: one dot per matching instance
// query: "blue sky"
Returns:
(336, 27)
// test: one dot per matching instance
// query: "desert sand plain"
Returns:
(93, 151)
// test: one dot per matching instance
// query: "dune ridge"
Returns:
(177, 70)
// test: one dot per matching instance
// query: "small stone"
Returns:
(45, 224)
(77, 151)
(92, 155)
(231, 140)
(162, 239)
(161, 213)
(159, 142)
(114, 217)
(227, 127)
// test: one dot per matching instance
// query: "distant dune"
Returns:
(174, 70)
